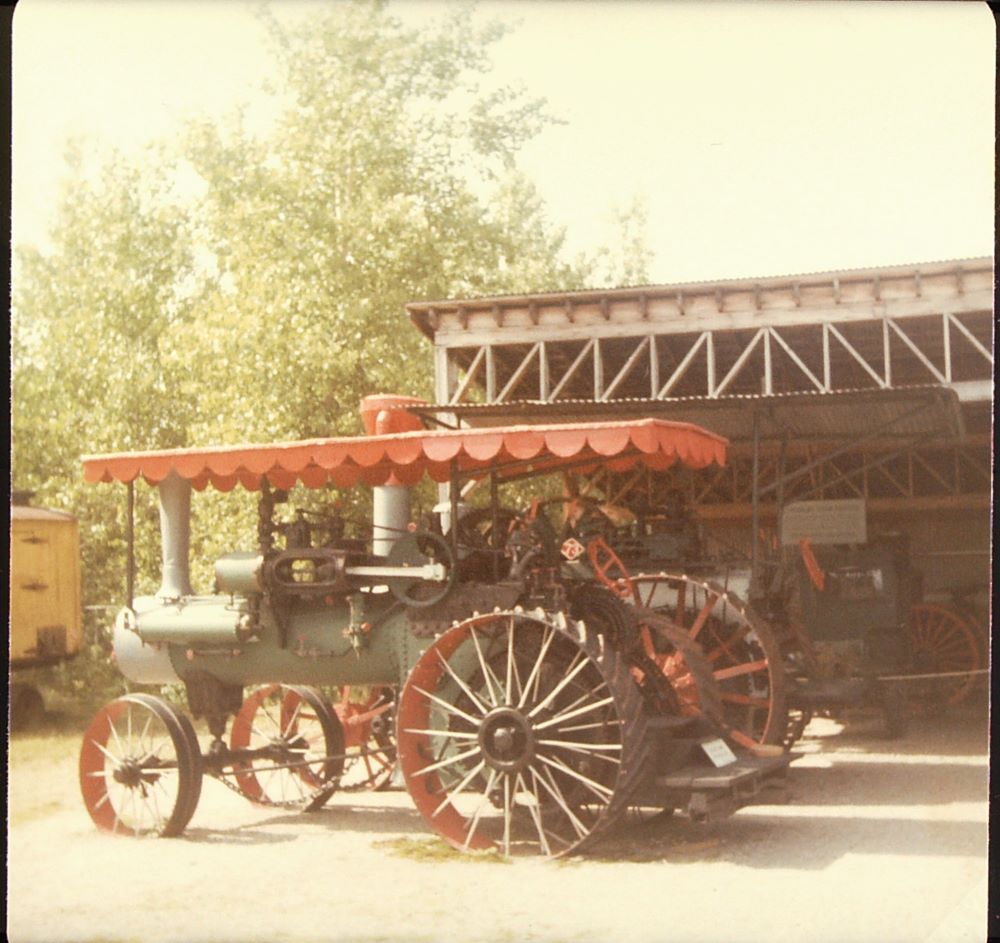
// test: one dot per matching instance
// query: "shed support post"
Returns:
(755, 506)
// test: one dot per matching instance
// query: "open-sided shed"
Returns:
(873, 385)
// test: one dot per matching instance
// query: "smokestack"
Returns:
(175, 536)
(384, 415)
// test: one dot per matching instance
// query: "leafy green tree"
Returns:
(88, 371)
(389, 175)
(242, 284)
(627, 259)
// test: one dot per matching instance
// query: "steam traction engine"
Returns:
(535, 704)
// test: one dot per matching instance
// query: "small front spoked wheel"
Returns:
(292, 747)
(140, 767)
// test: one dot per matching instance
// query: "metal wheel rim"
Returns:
(744, 655)
(307, 744)
(941, 640)
(550, 798)
(140, 773)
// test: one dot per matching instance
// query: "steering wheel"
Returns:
(530, 513)
(475, 529)
(417, 550)
(479, 559)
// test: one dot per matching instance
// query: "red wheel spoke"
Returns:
(942, 641)
(699, 622)
(748, 668)
(748, 699)
(740, 648)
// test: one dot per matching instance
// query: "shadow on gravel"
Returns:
(961, 730)
(885, 783)
(255, 834)
(812, 842)
(342, 819)
(864, 773)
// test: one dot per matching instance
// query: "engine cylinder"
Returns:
(197, 621)
(239, 573)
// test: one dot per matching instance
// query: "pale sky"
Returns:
(765, 138)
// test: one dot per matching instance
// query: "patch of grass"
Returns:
(42, 774)
(434, 849)
(35, 811)
(37, 749)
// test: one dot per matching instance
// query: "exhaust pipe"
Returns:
(175, 536)
(385, 415)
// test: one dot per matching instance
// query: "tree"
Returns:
(364, 196)
(244, 285)
(88, 373)
(627, 260)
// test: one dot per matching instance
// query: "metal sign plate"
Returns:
(824, 522)
(718, 752)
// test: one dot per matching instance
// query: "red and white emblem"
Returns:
(572, 549)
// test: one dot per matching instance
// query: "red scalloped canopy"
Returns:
(404, 458)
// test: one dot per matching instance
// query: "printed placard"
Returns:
(718, 752)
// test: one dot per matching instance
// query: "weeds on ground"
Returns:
(434, 849)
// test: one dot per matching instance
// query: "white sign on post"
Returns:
(824, 522)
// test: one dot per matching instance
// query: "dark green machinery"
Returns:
(847, 609)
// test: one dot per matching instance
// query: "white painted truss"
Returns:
(879, 329)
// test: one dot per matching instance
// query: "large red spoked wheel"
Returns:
(297, 745)
(520, 732)
(140, 767)
(741, 649)
(370, 750)
(942, 641)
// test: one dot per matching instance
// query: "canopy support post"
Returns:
(454, 496)
(755, 507)
(130, 545)
(495, 526)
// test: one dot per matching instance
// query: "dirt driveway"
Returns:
(882, 842)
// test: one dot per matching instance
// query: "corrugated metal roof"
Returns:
(919, 411)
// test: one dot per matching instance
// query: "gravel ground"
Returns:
(882, 842)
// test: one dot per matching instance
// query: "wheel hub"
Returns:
(506, 739)
(128, 773)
